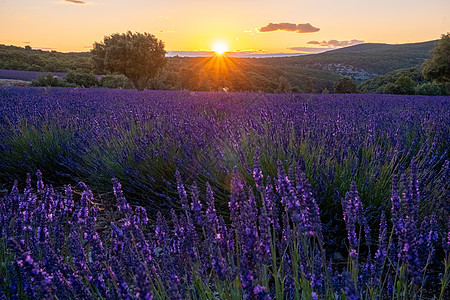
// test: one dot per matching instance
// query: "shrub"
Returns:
(431, 89)
(82, 79)
(345, 85)
(405, 85)
(115, 82)
(46, 80)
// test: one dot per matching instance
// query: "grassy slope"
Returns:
(373, 58)
(311, 73)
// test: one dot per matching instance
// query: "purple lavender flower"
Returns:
(39, 283)
(122, 203)
(260, 293)
(181, 192)
(236, 198)
(352, 210)
(196, 206)
(143, 287)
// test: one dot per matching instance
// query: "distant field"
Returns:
(13, 82)
(25, 75)
(29, 75)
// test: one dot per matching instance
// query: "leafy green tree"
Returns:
(138, 56)
(388, 88)
(405, 85)
(438, 67)
(284, 86)
(431, 89)
(345, 85)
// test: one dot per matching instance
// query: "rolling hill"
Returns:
(362, 61)
(309, 73)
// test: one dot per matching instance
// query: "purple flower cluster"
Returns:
(57, 249)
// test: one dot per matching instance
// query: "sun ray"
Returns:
(220, 48)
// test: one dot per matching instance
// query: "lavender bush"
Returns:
(233, 195)
(63, 245)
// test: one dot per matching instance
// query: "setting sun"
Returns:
(220, 48)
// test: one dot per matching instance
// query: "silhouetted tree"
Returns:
(138, 56)
(345, 85)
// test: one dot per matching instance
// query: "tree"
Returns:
(138, 56)
(345, 85)
(438, 67)
(431, 89)
(83, 79)
(405, 85)
(284, 86)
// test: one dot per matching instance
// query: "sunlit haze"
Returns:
(249, 26)
(220, 48)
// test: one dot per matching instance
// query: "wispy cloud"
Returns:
(309, 49)
(298, 28)
(76, 1)
(335, 43)
(44, 48)
(165, 31)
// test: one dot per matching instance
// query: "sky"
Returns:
(243, 26)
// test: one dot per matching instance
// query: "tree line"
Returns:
(139, 60)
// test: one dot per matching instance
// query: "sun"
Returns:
(220, 48)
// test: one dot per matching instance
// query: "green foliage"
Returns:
(370, 57)
(345, 85)
(438, 67)
(284, 85)
(404, 85)
(28, 59)
(376, 84)
(431, 89)
(82, 79)
(47, 80)
(115, 82)
(306, 73)
(138, 56)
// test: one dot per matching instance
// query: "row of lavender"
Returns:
(52, 245)
(142, 138)
(93, 135)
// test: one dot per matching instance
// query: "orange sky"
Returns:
(193, 25)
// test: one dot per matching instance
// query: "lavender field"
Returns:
(191, 195)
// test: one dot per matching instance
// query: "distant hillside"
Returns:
(371, 85)
(27, 59)
(363, 61)
(307, 73)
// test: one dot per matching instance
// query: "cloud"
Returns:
(335, 43)
(165, 31)
(298, 28)
(309, 49)
(44, 48)
(76, 1)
